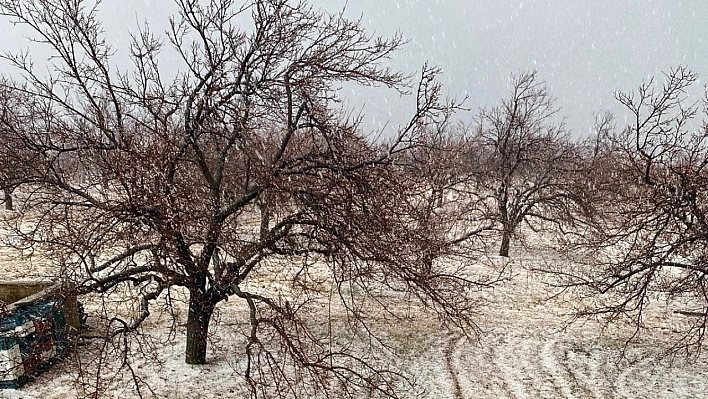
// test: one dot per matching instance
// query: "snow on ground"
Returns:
(526, 350)
(529, 350)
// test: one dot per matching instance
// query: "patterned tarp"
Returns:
(31, 339)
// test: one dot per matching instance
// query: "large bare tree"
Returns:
(240, 162)
(649, 236)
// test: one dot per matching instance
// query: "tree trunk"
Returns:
(8, 198)
(503, 198)
(506, 238)
(200, 311)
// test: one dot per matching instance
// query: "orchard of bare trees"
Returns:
(237, 164)
(243, 165)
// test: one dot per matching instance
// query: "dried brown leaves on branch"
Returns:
(238, 165)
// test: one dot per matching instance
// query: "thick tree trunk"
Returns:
(200, 311)
(8, 198)
(506, 238)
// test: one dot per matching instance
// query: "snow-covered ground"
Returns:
(526, 349)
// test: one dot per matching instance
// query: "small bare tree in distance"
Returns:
(9, 170)
(450, 197)
(524, 160)
(239, 164)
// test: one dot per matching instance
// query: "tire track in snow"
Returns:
(527, 353)
(449, 352)
(511, 357)
(582, 367)
(527, 366)
(559, 377)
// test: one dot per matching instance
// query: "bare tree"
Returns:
(9, 171)
(238, 165)
(7, 189)
(524, 160)
(649, 239)
(449, 196)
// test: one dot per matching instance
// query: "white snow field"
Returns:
(526, 349)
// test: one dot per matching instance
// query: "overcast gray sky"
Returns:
(583, 49)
